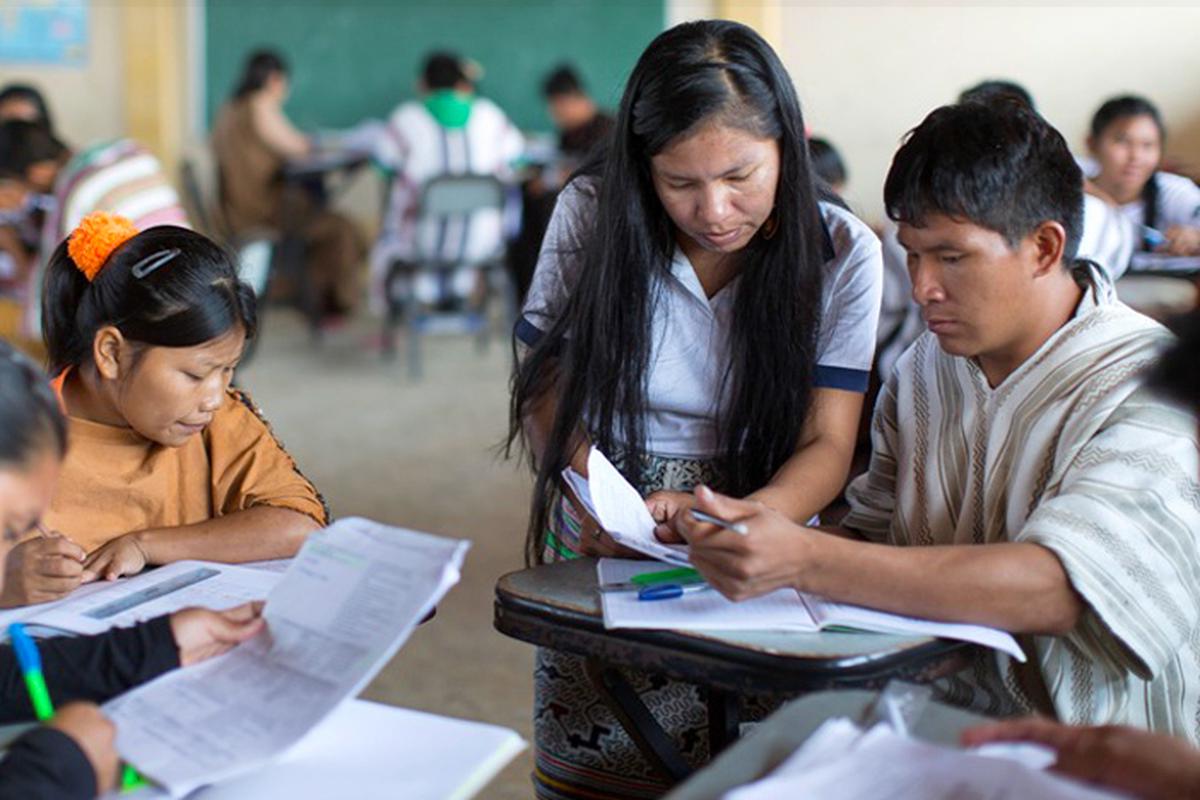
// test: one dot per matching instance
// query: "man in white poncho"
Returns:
(1022, 476)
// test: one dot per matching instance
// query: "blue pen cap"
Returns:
(26, 651)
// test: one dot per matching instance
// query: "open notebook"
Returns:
(784, 609)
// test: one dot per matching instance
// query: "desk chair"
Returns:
(444, 200)
(255, 252)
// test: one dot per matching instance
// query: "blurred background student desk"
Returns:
(557, 606)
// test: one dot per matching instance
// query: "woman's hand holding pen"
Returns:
(201, 634)
(95, 735)
(767, 557)
(41, 569)
(1181, 240)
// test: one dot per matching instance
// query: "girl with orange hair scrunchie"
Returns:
(166, 461)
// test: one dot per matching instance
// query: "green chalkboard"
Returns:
(354, 59)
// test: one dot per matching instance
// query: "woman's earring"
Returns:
(771, 226)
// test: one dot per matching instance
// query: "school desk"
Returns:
(779, 735)
(557, 606)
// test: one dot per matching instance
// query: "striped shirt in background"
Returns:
(1070, 452)
(120, 177)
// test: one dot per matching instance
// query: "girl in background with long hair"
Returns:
(701, 315)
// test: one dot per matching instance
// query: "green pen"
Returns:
(30, 661)
(677, 575)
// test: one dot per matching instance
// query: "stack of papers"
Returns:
(785, 609)
(620, 509)
(345, 605)
(96, 607)
(841, 762)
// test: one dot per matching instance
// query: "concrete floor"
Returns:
(420, 455)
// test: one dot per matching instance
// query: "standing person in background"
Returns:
(581, 127)
(253, 140)
(1126, 141)
(581, 124)
(449, 130)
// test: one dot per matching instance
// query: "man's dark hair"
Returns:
(1177, 373)
(443, 70)
(258, 69)
(826, 161)
(999, 166)
(562, 81)
(988, 92)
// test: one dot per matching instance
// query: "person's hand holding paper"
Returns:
(620, 510)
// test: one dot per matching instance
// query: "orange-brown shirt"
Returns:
(114, 481)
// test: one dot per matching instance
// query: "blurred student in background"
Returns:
(253, 140)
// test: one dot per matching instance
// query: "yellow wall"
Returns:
(868, 74)
(88, 102)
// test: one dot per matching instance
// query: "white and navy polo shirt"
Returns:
(690, 351)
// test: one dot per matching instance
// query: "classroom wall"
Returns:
(865, 89)
(87, 101)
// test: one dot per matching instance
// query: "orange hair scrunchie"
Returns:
(95, 238)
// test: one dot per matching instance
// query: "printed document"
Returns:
(346, 604)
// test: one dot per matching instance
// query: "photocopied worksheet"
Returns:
(96, 607)
(620, 509)
(346, 604)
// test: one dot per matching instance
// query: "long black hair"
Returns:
(193, 297)
(259, 67)
(30, 420)
(595, 356)
(1124, 107)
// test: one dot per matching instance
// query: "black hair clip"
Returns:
(153, 261)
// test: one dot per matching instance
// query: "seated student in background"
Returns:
(118, 176)
(23, 102)
(1022, 477)
(450, 130)
(827, 163)
(74, 755)
(1129, 760)
(30, 159)
(144, 331)
(700, 314)
(1126, 141)
(253, 140)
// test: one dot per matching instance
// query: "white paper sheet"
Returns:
(370, 751)
(349, 600)
(620, 509)
(837, 764)
(96, 607)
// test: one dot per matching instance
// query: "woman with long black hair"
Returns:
(699, 314)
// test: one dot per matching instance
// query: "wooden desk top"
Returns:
(557, 606)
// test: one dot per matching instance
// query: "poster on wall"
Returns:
(49, 32)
